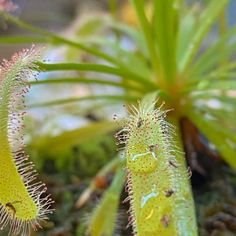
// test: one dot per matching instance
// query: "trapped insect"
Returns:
(11, 206)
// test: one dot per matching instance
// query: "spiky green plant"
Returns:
(22, 205)
(170, 57)
(159, 194)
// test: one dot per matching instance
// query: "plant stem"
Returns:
(185, 210)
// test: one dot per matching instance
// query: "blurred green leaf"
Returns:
(211, 55)
(223, 138)
(67, 139)
(207, 85)
(23, 39)
(56, 39)
(135, 35)
(91, 25)
(208, 17)
(137, 63)
(219, 115)
(96, 68)
(81, 80)
(147, 31)
(84, 98)
(226, 102)
(165, 20)
(104, 216)
(185, 33)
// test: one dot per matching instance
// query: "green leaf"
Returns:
(220, 85)
(187, 27)
(212, 77)
(105, 214)
(84, 98)
(112, 166)
(81, 80)
(208, 17)
(183, 185)
(223, 138)
(146, 28)
(23, 39)
(91, 25)
(226, 102)
(101, 68)
(164, 27)
(219, 115)
(135, 35)
(56, 39)
(150, 100)
(211, 55)
(67, 139)
(137, 63)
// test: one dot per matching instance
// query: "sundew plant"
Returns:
(173, 59)
(22, 202)
(159, 194)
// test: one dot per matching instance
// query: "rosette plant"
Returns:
(180, 53)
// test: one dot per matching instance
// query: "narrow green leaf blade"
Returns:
(165, 15)
(23, 39)
(84, 98)
(208, 17)
(101, 68)
(104, 216)
(146, 29)
(82, 80)
(207, 85)
(223, 139)
(67, 139)
(185, 33)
